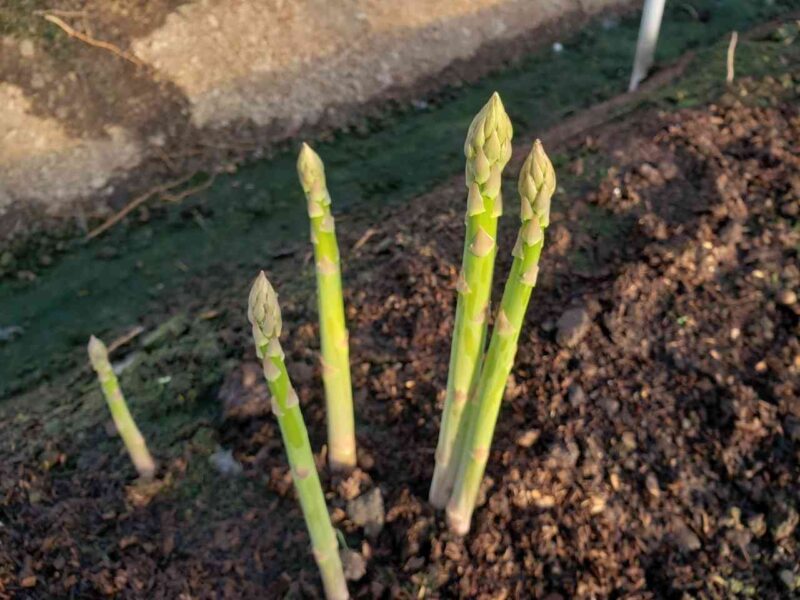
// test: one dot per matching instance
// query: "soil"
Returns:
(650, 454)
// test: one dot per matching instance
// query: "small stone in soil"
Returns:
(354, 565)
(610, 405)
(543, 501)
(651, 174)
(629, 441)
(790, 580)
(757, 524)
(597, 504)
(576, 395)
(367, 511)
(10, 333)
(787, 297)
(684, 538)
(548, 325)
(528, 438)
(651, 483)
(786, 526)
(365, 459)
(572, 326)
(732, 233)
(668, 169)
(225, 464)
(790, 209)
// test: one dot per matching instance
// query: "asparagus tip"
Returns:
(97, 351)
(488, 144)
(263, 311)
(537, 182)
(310, 169)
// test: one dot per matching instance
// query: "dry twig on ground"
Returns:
(74, 33)
(732, 56)
(364, 238)
(175, 198)
(136, 202)
(126, 338)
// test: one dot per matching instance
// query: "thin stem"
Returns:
(123, 420)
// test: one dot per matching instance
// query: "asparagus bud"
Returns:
(126, 426)
(488, 146)
(312, 177)
(537, 183)
(333, 329)
(264, 315)
(487, 150)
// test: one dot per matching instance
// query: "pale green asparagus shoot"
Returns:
(537, 182)
(487, 150)
(333, 329)
(264, 315)
(126, 426)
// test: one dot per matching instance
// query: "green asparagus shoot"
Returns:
(126, 426)
(264, 315)
(537, 182)
(487, 150)
(333, 329)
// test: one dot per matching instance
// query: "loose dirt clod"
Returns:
(225, 464)
(243, 394)
(367, 511)
(355, 567)
(572, 326)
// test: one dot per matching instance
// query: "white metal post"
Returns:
(648, 38)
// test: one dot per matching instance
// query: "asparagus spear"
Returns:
(333, 330)
(264, 315)
(487, 150)
(537, 182)
(126, 426)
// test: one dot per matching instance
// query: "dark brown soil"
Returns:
(654, 457)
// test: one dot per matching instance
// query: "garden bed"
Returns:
(648, 443)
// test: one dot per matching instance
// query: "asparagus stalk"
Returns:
(264, 315)
(487, 150)
(537, 182)
(333, 330)
(126, 426)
